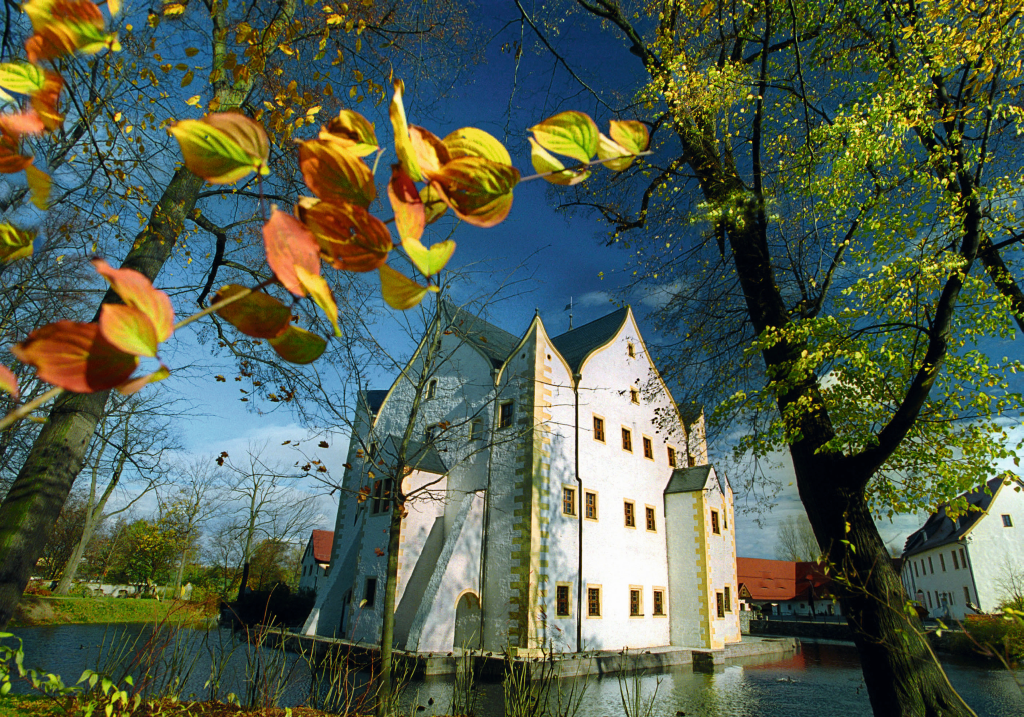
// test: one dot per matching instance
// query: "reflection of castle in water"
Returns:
(572, 504)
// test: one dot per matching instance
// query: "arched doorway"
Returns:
(467, 621)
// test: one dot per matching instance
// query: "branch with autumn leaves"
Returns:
(469, 172)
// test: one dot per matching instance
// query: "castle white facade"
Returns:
(569, 505)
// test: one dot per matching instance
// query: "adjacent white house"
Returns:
(958, 567)
(316, 560)
(571, 506)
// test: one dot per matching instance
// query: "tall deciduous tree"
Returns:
(832, 213)
(796, 541)
(248, 56)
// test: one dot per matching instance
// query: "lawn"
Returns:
(36, 610)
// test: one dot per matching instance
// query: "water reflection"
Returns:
(822, 677)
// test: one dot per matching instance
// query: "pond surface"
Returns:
(823, 678)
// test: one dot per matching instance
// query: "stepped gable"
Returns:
(494, 343)
(940, 529)
(575, 345)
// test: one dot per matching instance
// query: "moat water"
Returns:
(821, 678)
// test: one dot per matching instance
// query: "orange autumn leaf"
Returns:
(350, 238)
(128, 329)
(289, 245)
(75, 357)
(258, 315)
(137, 291)
(66, 26)
(9, 382)
(478, 190)
(11, 158)
(333, 173)
(406, 204)
(46, 101)
(17, 124)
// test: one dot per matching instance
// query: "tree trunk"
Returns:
(387, 630)
(71, 567)
(902, 675)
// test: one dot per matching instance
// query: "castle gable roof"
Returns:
(941, 530)
(577, 344)
(418, 456)
(494, 343)
(687, 480)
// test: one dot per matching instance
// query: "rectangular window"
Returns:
(568, 501)
(505, 414)
(598, 429)
(915, 569)
(963, 558)
(432, 388)
(691, 460)
(594, 601)
(728, 599)
(649, 514)
(942, 562)
(381, 496)
(648, 448)
(956, 563)
(590, 505)
(627, 440)
(630, 350)
(659, 601)
(476, 429)
(725, 518)
(967, 595)
(634, 396)
(630, 514)
(1007, 521)
(714, 523)
(371, 592)
(562, 601)
(671, 457)
(931, 565)
(720, 599)
(929, 600)
(636, 602)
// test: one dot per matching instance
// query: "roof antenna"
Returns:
(568, 307)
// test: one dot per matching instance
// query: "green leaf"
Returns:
(15, 243)
(22, 77)
(400, 126)
(297, 345)
(573, 134)
(399, 291)
(478, 190)
(428, 261)
(473, 142)
(223, 148)
(630, 134)
(544, 163)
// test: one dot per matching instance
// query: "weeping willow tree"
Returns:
(832, 212)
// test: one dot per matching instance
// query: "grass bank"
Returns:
(36, 610)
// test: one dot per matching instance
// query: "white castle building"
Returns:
(571, 505)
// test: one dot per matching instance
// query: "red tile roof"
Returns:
(323, 541)
(778, 580)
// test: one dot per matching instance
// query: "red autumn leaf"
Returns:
(75, 357)
(334, 173)
(137, 291)
(350, 238)
(11, 158)
(17, 124)
(8, 382)
(289, 244)
(258, 315)
(45, 102)
(128, 329)
(410, 217)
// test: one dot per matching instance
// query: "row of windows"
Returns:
(590, 511)
(648, 444)
(944, 598)
(310, 569)
(930, 569)
(595, 601)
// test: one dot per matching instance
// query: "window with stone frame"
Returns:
(562, 601)
(649, 514)
(728, 599)
(627, 440)
(636, 601)
(506, 410)
(648, 448)
(634, 395)
(720, 600)
(568, 501)
(659, 602)
(630, 513)
(598, 429)
(671, 457)
(714, 523)
(432, 388)
(476, 429)
(594, 601)
(590, 505)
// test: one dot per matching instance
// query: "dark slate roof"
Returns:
(576, 345)
(496, 344)
(419, 457)
(686, 480)
(941, 530)
(374, 400)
